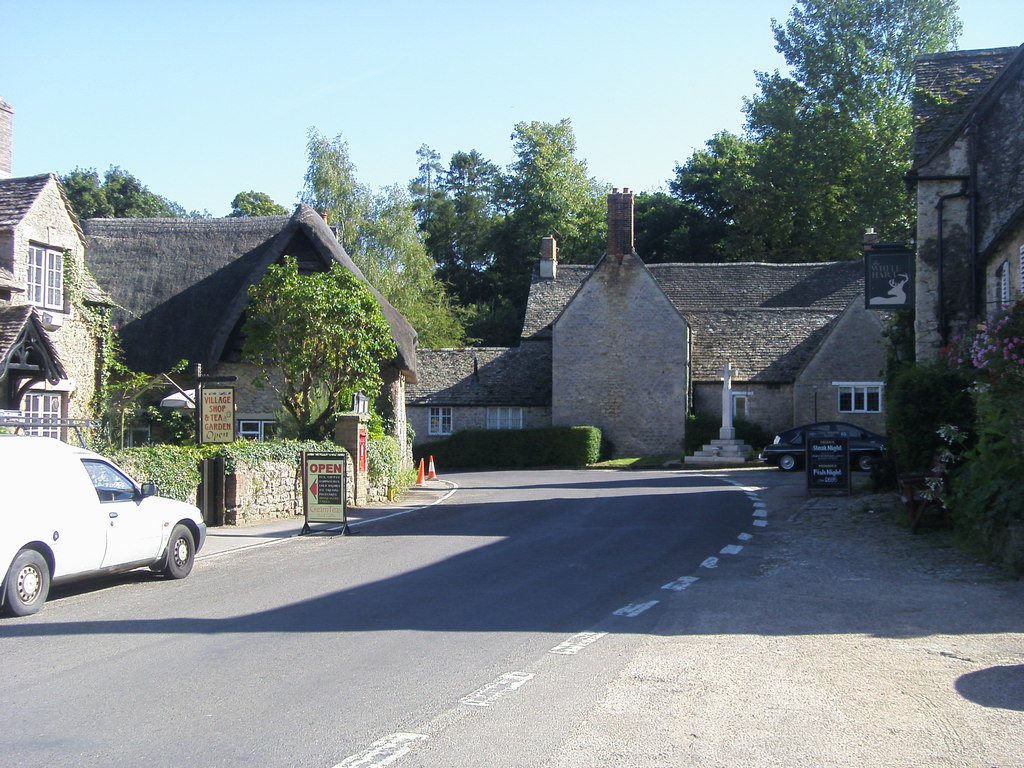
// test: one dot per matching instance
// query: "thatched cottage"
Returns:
(181, 286)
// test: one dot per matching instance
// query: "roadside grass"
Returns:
(643, 462)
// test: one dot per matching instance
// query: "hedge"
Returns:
(501, 448)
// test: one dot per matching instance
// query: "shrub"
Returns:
(174, 469)
(920, 399)
(544, 446)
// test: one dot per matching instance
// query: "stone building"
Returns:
(969, 180)
(181, 286)
(52, 314)
(635, 348)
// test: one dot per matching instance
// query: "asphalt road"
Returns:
(478, 632)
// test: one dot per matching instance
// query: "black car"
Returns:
(787, 452)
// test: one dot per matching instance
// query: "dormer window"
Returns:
(45, 278)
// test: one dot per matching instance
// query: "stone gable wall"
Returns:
(620, 361)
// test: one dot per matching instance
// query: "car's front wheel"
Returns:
(865, 461)
(787, 462)
(181, 553)
(27, 583)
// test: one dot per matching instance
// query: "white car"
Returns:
(66, 513)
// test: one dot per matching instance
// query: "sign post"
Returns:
(828, 464)
(323, 490)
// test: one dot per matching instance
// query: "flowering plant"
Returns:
(995, 350)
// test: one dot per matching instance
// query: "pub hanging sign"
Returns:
(888, 276)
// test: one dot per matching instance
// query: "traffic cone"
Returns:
(419, 475)
(432, 475)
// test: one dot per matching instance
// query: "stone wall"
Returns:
(620, 360)
(768, 405)
(1011, 253)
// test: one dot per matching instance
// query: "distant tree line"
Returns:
(820, 159)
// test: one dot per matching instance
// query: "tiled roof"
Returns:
(7, 281)
(548, 298)
(947, 85)
(17, 195)
(21, 319)
(484, 376)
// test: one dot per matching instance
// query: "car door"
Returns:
(133, 531)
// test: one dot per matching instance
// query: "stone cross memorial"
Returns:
(726, 450)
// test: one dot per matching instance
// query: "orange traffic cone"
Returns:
(432, 475)
(419, 475)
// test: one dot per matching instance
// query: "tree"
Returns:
(379, 231)
(320, 337)
(826, 147)
(119, 195)
(255, 204)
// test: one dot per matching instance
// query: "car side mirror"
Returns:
(148, 489)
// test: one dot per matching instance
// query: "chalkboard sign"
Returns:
(828, 464)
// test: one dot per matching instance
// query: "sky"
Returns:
(202, 100)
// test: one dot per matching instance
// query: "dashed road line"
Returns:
(383, 751)
(731, 549)
(711, 562)
(683, 582)
(486, 696)
(577, 643)
(634, 609)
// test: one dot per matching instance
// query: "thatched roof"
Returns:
(182, 284)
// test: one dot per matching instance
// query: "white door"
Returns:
(133, 531)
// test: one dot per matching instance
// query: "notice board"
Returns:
(324, 482)
(828, 464)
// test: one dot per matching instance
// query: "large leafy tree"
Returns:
(319, 337)
(117, 195)
(255, 204)
(826, 146)
(379, 232)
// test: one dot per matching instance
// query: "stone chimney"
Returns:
(870, 238)
(6, 139)
(620, 223)
(548, 257)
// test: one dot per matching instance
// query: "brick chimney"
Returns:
(6, 139)
(620, 223)
(548, 257)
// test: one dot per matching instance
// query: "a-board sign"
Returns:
(828, 464)
(323, 482)
(217, 415)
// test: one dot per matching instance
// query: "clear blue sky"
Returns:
(201, 100)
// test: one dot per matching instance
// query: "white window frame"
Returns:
(45, 278)
(257, 430)
(504, 417)
(1003, 285)
(859, 394)
(440, 420)
(1021, 268)
(43, 406)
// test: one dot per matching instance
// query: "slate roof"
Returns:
(766, 319)
(481, 376)
(18, 194)
(947, 87)
(182, 284)
(7, 281)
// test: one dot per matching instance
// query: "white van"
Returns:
(66, 512)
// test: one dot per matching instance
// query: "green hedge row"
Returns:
(490, 448)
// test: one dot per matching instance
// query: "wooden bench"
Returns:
(921, 509)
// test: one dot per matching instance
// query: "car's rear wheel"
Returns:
(181, 553)
(27, 584)
(865, 461)
(787, 462)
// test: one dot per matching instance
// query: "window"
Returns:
(45, 277)
(43, 407)
(860, 398)
(257, 430)
(440, 421)
(504, 418)
(1003, 284)
(1021, 266)
(110, 484)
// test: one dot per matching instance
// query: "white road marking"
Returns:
(711, 562)
(760, 513)
(681, 583)
(760, 523)
(731, 549)
(760, 504)
(383, 751)
(745, 537)
(635, 609)
(577, 643)
(489, 694)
